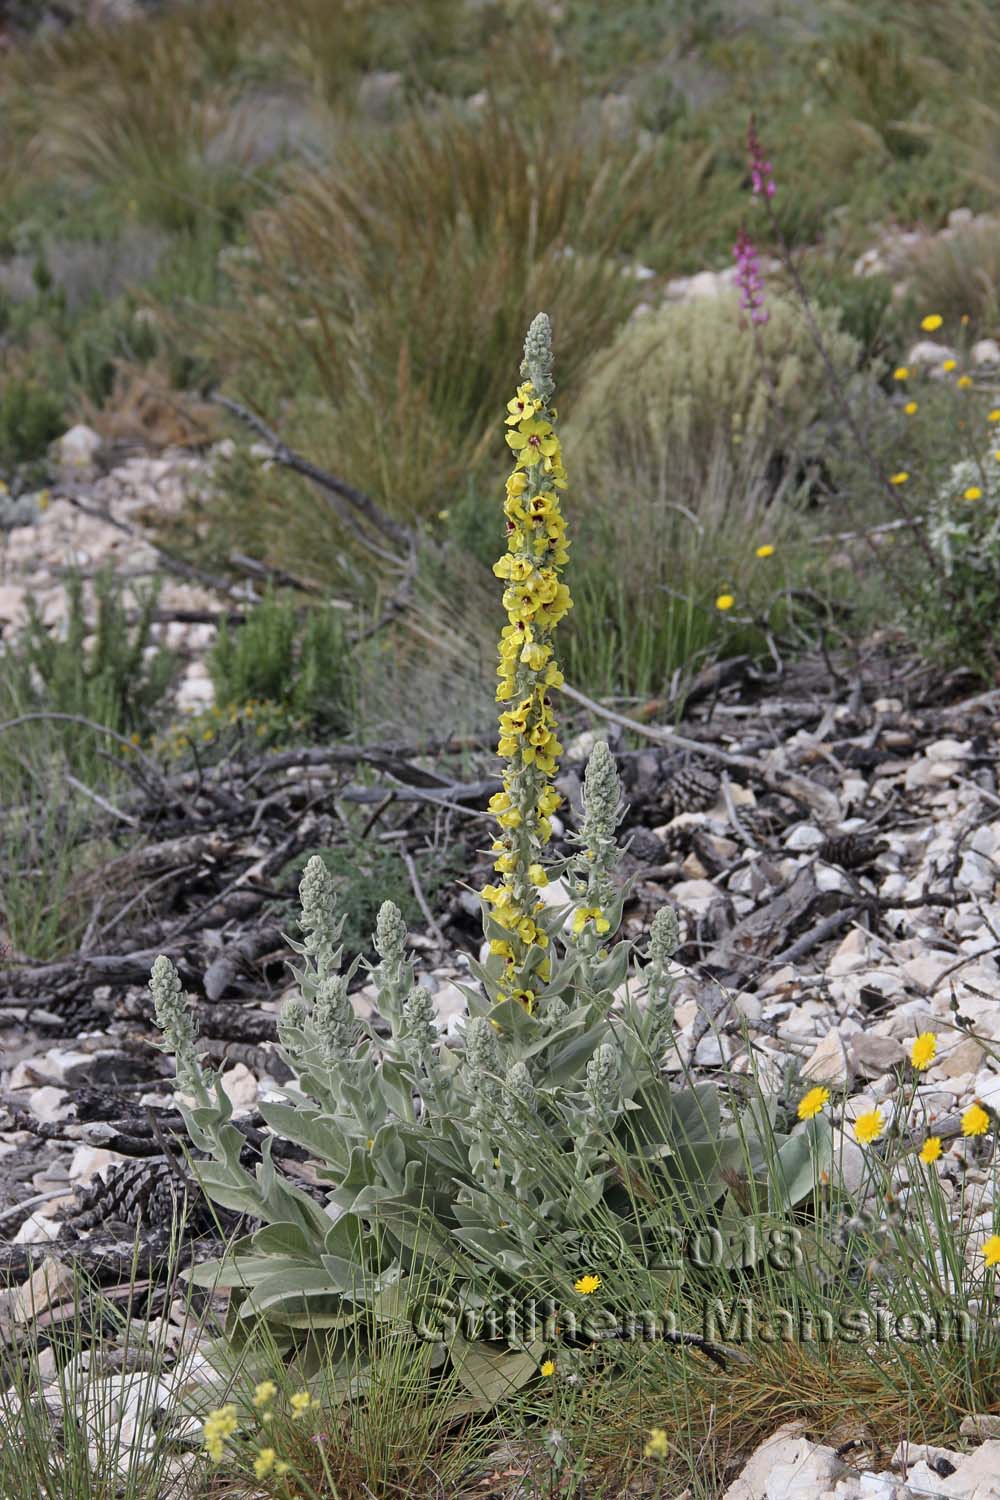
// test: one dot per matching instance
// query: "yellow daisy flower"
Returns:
(910, 408)
(931, 323)
(964, 381)
(869, 1126)
(811, 1104)
(991, 1251)
(949, 365)
(931, 1150)
(923, 1050)
(972, 493)
(724, 602)
(899, 478)
(547, 1367)
(766, 551)
(587, 1284)
(901, 374)
(975, 1120)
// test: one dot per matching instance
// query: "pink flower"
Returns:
(761, 172)
(748, 278)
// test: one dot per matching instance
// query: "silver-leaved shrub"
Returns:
(549, 1155)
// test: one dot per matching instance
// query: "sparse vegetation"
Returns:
(342, 214)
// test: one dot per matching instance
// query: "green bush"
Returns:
(30, 418)
(683, 385)
(116, 680)
(303, 666)
(953, 615)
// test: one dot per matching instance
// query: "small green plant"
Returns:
(31, 416)
(302, 666)
(117, 680)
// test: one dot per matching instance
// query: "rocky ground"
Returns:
(830, 836)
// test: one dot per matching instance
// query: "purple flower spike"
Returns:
(748, 278)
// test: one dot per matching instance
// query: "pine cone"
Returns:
(690, 788)
(149, 1189)
(851, 851)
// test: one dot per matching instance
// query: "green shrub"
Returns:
(683, 387)
(303, 666)
(31, 417)
(116, 680)
(953, 615)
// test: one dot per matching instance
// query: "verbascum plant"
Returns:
(535, 599)
(486, 1170)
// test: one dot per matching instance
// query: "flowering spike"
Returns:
(535, 600)
(537, 362)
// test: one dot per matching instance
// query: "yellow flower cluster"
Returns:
(219, 1425)
(535, 600)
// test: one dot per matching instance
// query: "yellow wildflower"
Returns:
(869, 1126)
(547, 1367)
(267, 1462)
(949, 365)
(593, 914)
(724, 602)
(931, 1150)
(972, 493)
(931, 323)
(901, 374)
(766, 551)
(535, 600)
(657, 1445)
(910, 408)
(587, 1284)
(264, 1392)
(994, 415)
(923, 1050)
(811, 1104)
(991, 1251)
(964, 382)
(975, 1120)
(899, 478)
(218, 1425)
(301, 1402)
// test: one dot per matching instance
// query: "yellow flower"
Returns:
(587, 1284)
(930, 1150)
(869, 1126)
(537, 876)
(301, 1402)
(910, 408)
(972, 493)
(657, 1446)
(548, 1367)
(963, 382)
(901, 374)
(924, 1050)
(991, 1251)
(812, 1103)
(975, 1120)
(949, 365)
(766, 551)
(724, 602)
(265, 1392)
(994, 415)
(218, 1425)
(899, 478)
(267, 1462)
(931, 323)
(590, 914)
